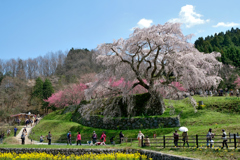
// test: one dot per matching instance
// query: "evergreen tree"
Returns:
(38, 88)
(227, 41)
(47, 89)
(228, 44)
(235, 41)
(215, 42)
(47, 92)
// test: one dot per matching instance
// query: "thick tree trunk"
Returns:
(156, 105)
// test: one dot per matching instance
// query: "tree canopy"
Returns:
(227, 43)
(154, 58)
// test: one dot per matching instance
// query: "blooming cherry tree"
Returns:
(237, 82)
(72, 95)
(156, 57)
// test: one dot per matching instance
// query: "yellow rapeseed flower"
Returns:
(102, 156)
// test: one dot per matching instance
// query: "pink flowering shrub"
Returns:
(237, 82)
(71, 95)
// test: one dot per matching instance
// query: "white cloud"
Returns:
(228, 24)
(189, 17)
(143, 23)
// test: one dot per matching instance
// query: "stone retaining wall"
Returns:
(150, 154)
(131, 123)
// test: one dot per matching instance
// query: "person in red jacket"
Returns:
(103, 137)
(79, 139)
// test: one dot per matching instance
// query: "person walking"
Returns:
(139, 137)
(31, 121)
(224, 136)
(15, 131)
(49, 137)
(121, 136)
(94, 137)
(69, 135)
(79, 139)
(176, 138)
(26, 122)
(185, 138)
(23, 138)
(25, 131)
(103, 137)
(210, 137)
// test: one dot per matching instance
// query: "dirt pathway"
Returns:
(29, 130)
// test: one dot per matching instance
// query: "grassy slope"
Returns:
(197, 123)
(10, 139)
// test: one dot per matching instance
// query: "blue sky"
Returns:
(32, 28)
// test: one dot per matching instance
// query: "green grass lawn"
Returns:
(201, 153)
(219, 113)
(10, 138)
(60, 146)
(197, 123)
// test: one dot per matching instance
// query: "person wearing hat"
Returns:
(224, 136)
(94, 137)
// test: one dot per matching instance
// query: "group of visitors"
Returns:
(220, 92)
(184, 138)
(209, 137)
(79, 138)
(230, 92)
(48, 136)
(141, 137)
(28, 122)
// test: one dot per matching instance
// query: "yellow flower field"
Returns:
(43, 156)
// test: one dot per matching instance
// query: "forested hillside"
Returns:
(227, 43)
(22, 81)
(78, 63)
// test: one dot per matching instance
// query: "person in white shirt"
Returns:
(139, 137)
(224, 136)
(237, 92)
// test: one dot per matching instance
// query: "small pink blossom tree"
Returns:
(237, 82)
(72, 95)
(154, 58)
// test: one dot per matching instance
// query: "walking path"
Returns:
(29, 129)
